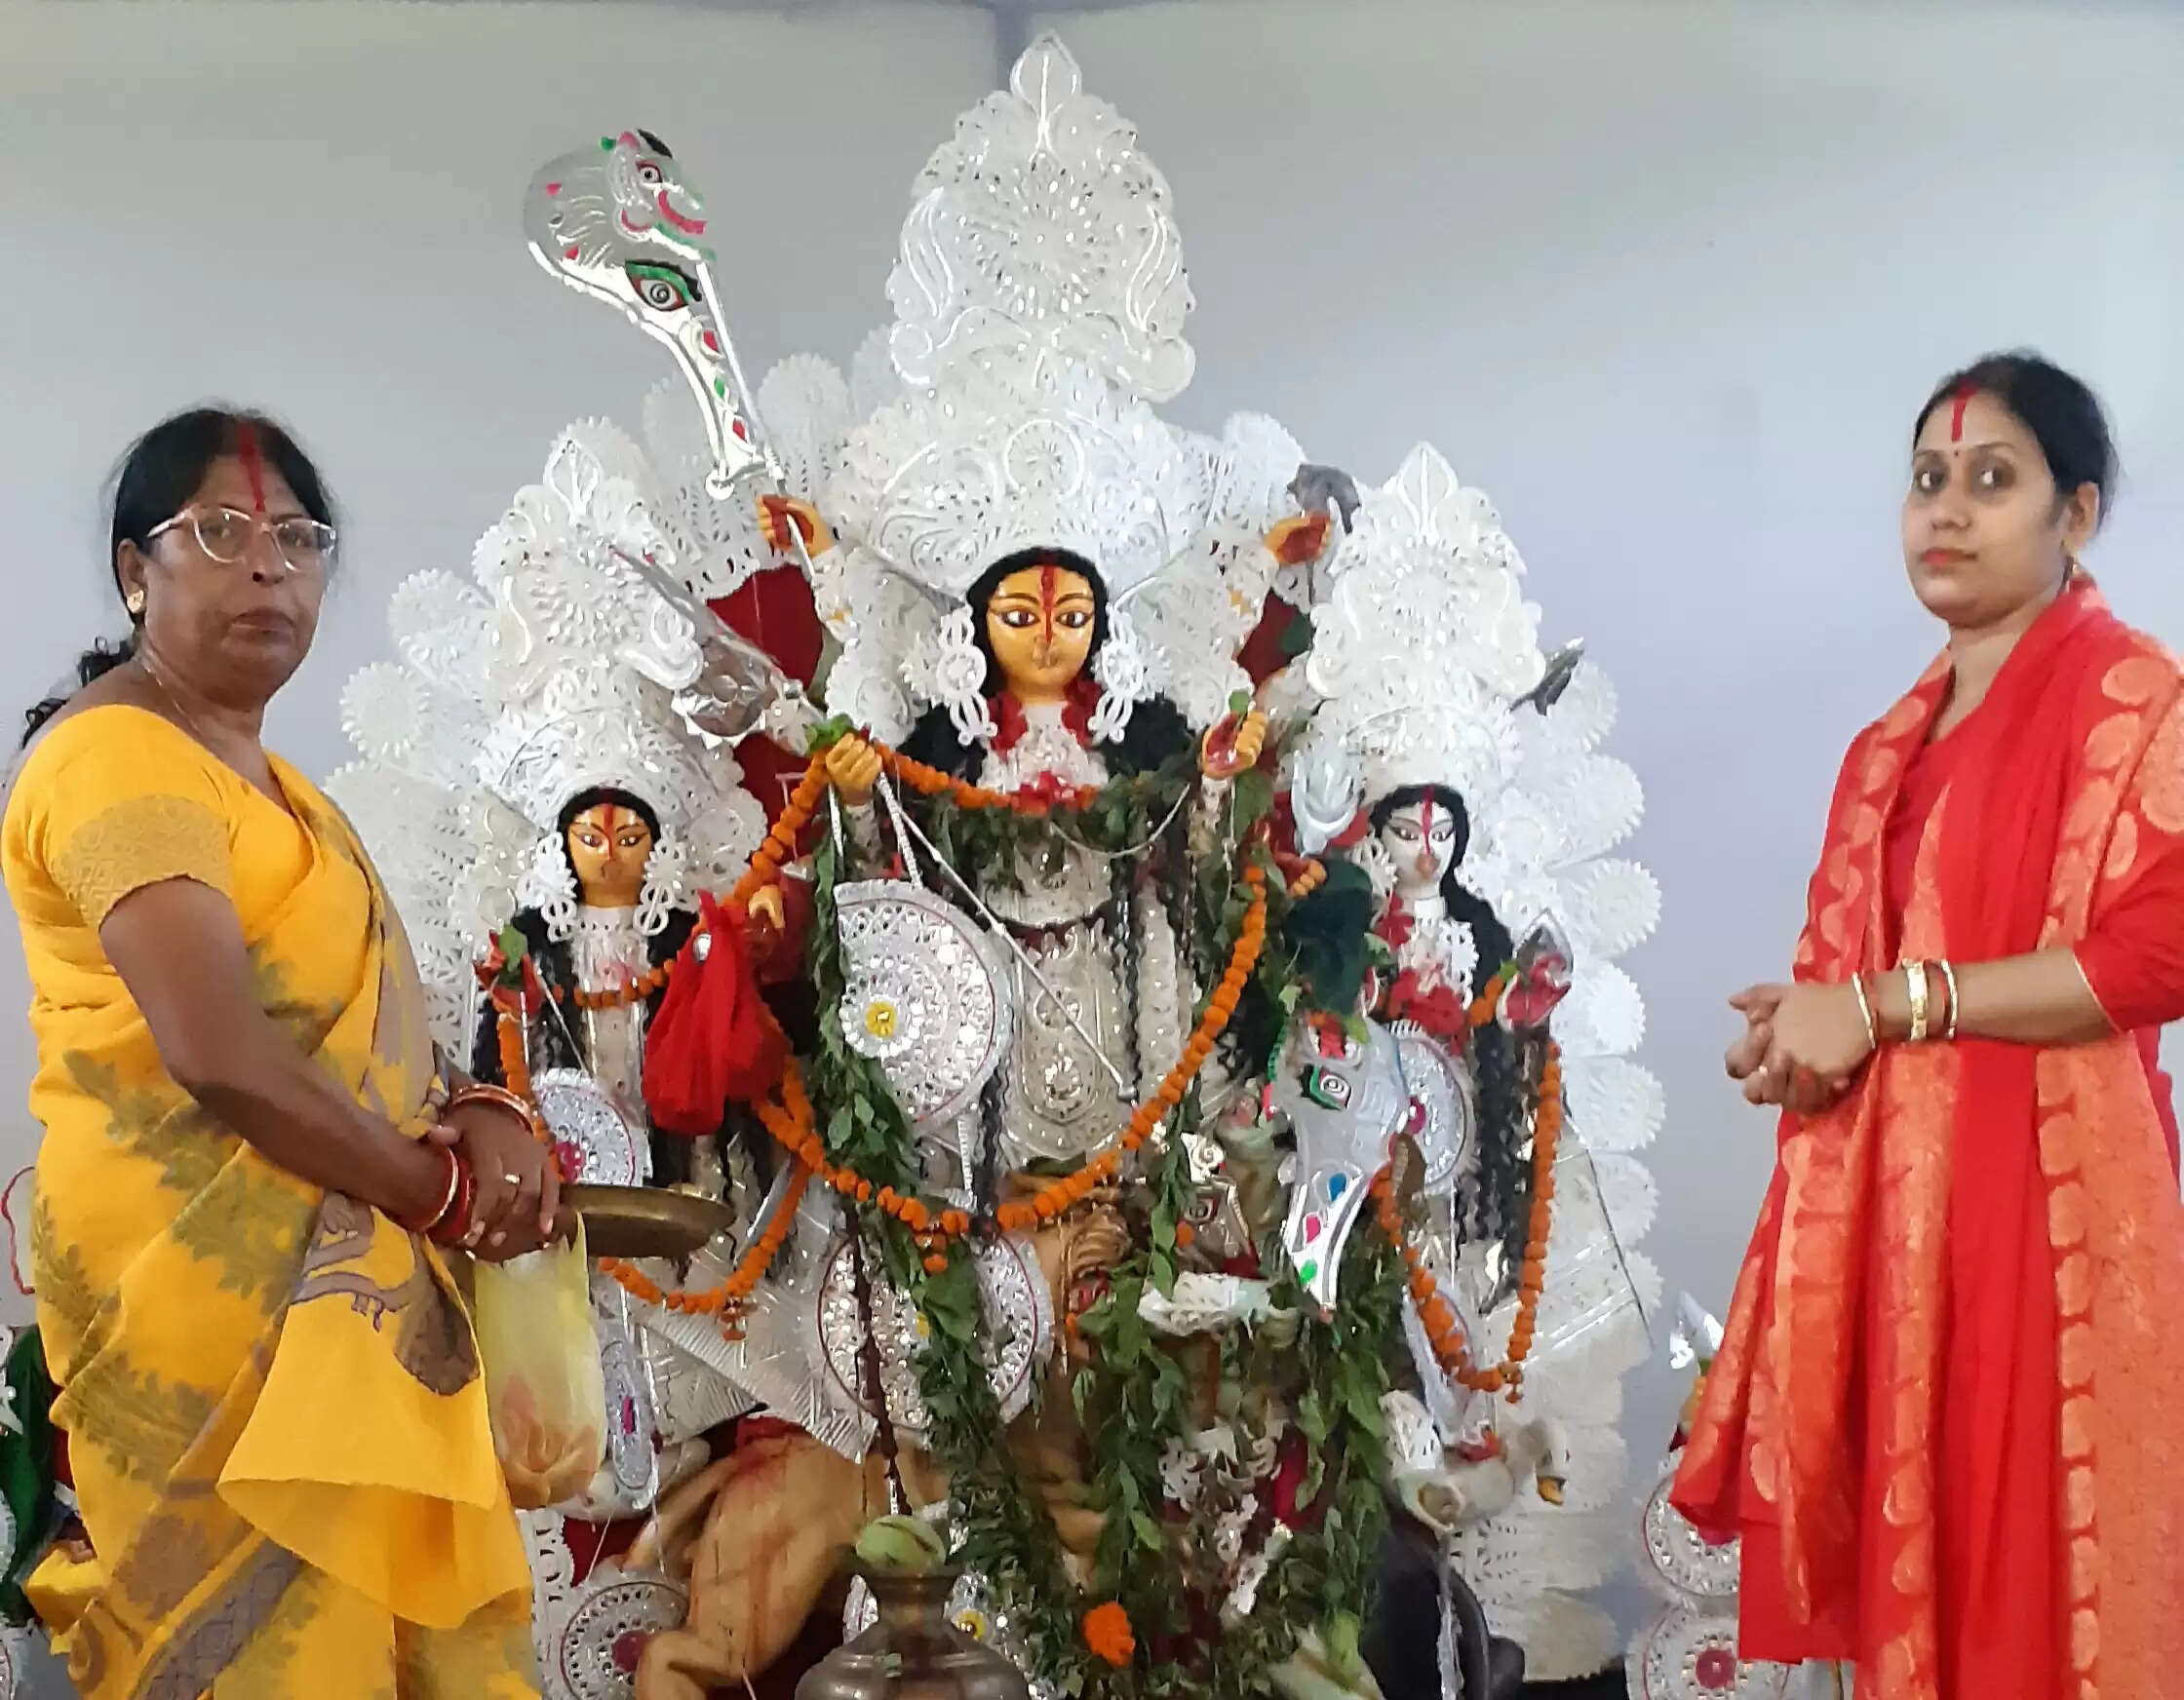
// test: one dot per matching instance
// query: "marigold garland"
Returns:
(741, 1282)
(515, 1064)
(1450, 1347)
(621, 996)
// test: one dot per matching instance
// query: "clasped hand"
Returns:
(516, 1206)
(1801, 1045)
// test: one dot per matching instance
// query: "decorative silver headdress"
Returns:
(1039, 300)
(1420, 649)
(553, 672)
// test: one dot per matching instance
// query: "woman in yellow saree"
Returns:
(269, 1383)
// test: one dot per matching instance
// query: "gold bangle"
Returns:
(1949, 979)
(1865, 1012)
(500, 1097)
(1921, 1005)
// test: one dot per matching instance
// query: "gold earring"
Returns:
(134, 602)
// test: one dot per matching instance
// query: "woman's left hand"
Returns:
(518, 1187)
(1818, 1041)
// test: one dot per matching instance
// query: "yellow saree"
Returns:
(271, 1395)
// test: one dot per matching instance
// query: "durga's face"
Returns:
(608, 847)
(1039, 622)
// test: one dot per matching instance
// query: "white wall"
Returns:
(316, 208)
(1670, 281)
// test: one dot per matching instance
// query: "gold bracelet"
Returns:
(500, 1097)
(1922, 1007)
(1949, 979)
(1865, 1012)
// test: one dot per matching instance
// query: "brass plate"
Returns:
(646, 1221)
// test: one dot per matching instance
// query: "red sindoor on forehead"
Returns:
(254, 464)
(1050, 580)
(1962, 401)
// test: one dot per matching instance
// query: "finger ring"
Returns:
(513, 1180)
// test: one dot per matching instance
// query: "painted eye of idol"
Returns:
(1018, 617)
(662, 288)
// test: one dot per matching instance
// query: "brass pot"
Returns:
(913, 1653)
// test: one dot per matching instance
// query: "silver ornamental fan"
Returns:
(611, 1617)
(1682, 1561)
(1444, 1104)
(926, 997)
(595, 1142)
(1019, 1326)
(1688, 1652)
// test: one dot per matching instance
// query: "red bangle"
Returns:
(500, 1097)
(446, 1200)
(449, 1229)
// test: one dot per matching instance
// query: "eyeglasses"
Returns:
(226, 535)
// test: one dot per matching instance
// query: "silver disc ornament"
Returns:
(926, 997)
(594, 1141)
(607, 1630)
(1444, 1118)
(1019, 1314)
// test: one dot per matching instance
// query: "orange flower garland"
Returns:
(515, 1066)
(636, 991)
(1450, 1348)
(741, 1282)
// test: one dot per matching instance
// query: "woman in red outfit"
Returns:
(1947, 1417)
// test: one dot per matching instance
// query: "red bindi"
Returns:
(254, 464)
(1963, 400)
(1425, 815)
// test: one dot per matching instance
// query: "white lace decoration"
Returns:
(1124, 672)
(1048, 746)
(665, 884)
(951, 670)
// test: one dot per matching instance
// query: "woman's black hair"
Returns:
(2061, 412)
(1499, 1206)
(155, 481)
(1156, 729)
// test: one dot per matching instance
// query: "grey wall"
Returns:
(1668, 280)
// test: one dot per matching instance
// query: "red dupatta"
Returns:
(1942, 1416)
